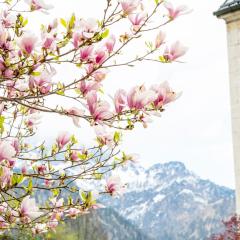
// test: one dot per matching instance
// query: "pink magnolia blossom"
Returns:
(5, 177)
(3, 207)
(100, 57)
(74, 156)
(120, 100)
(49, 40)
(11, 91)
(73, 213)
(104, 137)
(33, 119)
(48, 182)
(98, 75)
(7, 19)
(41, 169)
(140, 97)
(3, 225)
(29, 210)
(52, 26)
(100, 110)
(164, 94)
(176, 51)
(77, 38)
(133, 157)
(87, 86)
(3, 36)
(88, 27)
(11, 163)
(86, 53)
(7, 151)
(39, 228)
(137, 20)
(114, 186)
(49, 36)
(110, 43)
(21, 86)
(2, 65)
(24, 169)
(160, 39)
(62, 139)
(129, 6)
(175, 12)
(42, 83)
(52, 224)
(75, 114)
(57, 215)
(145, 120)
(38, 5)
(96, 206)
(12, 216)
(8, 73)
(2, 108)
(57, 203)
(27, 42)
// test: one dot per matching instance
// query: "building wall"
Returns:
(233, 35)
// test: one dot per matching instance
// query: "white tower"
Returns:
(230, 12)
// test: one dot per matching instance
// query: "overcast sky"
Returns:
(196, 128)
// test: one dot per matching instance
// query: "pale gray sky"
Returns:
(196, 128)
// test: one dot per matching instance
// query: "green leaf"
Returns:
(30, 185)
(2, 119)
(78, 65)
(100, 23)
(14, 180)
(117, 136)
(54, 148)
(60, 87)
(83, 196)
(162, 59)
(149, 45)
(74, 140)
(63, 43)
(20, 178)
(70, 200)
(72, 21)
(55, 192)
(82, 156)
(20, 18)
(98, 176)
(105, 33)
(63, 22)
(35, 74)
(8, 1)
(130, 124)
(25, 22)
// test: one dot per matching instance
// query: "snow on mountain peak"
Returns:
(171, 202)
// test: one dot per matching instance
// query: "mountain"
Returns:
(171, 203)
(164, 202)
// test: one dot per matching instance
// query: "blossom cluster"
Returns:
(28, 69)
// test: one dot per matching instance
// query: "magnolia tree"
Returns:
(231, 231)
(27, 68)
